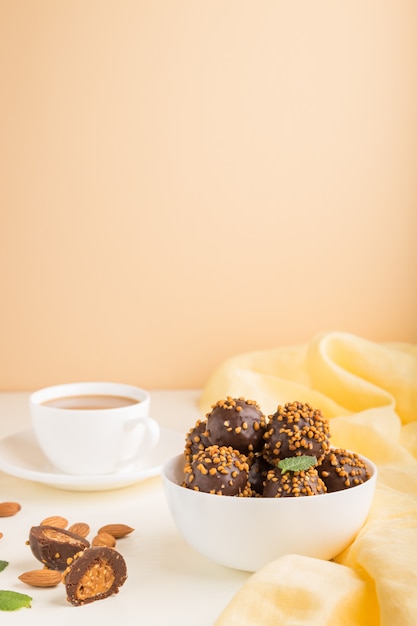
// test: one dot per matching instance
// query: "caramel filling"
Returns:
(56, 535)
(97, 579)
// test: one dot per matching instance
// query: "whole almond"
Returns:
(104, 539)
(41, 578)
(55, 520)
(9, 508)
(80, 528)
(116, 530)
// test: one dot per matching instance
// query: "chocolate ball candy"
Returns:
(95, 574)
(196, 439)
(294, 430)
(238, 423)
(341, 469)
(293, 484)
(54, 546)
(219, 470)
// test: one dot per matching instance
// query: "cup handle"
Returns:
(150, 437)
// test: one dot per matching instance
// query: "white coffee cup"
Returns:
(92, 428)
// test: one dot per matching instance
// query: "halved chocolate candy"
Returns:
(55, 547)
(95, 574)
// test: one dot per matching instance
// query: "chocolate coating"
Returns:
(238, 423)
(53, 546)
(95, 574)
(296, 429)
(219, 470)
(258, 469)
(293, 484)
(196, 439)
(341, 469)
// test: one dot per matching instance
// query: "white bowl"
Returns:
(248, 533)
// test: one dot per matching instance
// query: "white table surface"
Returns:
(168, 582)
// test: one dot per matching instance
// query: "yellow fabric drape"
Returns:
(369, 392)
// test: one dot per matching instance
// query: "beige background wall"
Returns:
(181, 181)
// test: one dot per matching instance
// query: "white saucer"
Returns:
(20, 456)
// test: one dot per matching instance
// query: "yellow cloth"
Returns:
(369, 392)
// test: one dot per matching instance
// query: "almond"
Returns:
(116, 530)
(104, 539)
(55, 520)
(9, 508)
(80, 528)
(41, 578)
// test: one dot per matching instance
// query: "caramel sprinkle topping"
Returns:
(230, 403)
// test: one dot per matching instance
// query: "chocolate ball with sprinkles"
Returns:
(196, 439)
(286, 484)
(219, 470)
(238, 423)
(296, 429)
(341, 469)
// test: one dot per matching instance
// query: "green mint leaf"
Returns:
(12, 600)
(3, 565)
(297, 463)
